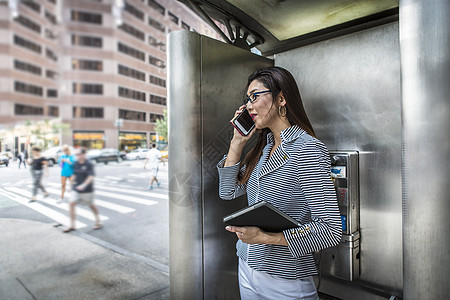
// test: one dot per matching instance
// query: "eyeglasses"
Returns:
(253, 97)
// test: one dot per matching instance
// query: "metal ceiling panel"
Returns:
(286, 19)
(274, 26)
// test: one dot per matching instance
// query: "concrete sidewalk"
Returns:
(38, 261)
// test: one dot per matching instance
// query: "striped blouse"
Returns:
(295, 179)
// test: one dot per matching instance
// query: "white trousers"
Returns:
(255, 285)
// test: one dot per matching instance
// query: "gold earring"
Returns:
(282, 113)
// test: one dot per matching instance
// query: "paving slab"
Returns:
(38, 261)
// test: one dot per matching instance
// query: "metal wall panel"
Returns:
(225, 70)
(351, 90)
(425, 45)
(207, 81)
(185, 207)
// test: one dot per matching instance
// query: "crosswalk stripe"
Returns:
(80, 211)
(126, 198)
(112, 177)
(101, 203)
(148, 175)
(128, 191)
(139, 175)
(44, 210)
(112, 206)
(146, 194)
(103, 180)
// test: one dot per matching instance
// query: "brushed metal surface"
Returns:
(351, 90)
(185, 207)
(425, 60)
(225, 70)
(207, 81)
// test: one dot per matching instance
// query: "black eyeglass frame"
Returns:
(254, 95)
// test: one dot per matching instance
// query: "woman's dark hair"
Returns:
(276, 80)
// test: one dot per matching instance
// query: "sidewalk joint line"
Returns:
(148, 261)
(26, 288)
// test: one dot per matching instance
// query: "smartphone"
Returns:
(243, 122)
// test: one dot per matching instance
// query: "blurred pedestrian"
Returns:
(153, 158)
(39, 166)
(82, 188)
(66, 162)
(22, 159)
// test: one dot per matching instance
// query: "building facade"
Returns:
(97, 65)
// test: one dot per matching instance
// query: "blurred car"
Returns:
(137, 154)
(52, 155)
(165, 154)
(4, 160)
(104, 155)
(8, 154)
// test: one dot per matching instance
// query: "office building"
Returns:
(97, 65)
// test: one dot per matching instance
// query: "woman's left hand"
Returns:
(254, 235)
(249, 234)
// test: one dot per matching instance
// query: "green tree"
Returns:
(161, 126)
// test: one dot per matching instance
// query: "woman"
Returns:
(66, 162)
(39, 164)
(289, 168)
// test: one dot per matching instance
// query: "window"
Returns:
(52, 93)
(50, 54)
(33, 5)
(155, 24)
(132, 31)
(173, 18)
(86, 17)
(27, 67)
(84, 64)
(134, 11)
(86, 88)
(51, 74)
(157, 81)
(88, 112)
(28, 88)
(89, 41)
(20, 109)
(157, 44)
(185, 26)
(132, 115)
(154, 117)
(131, 51)
(27, 44)
(156, 6)
(53, 111)
(156, 62)
(28, 23)
(50, 17)
(158, 100)
(50, 34)
(131, 94)
(131, 73)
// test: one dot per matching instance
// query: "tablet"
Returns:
(263, 215)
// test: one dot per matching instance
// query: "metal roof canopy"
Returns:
(274, 26)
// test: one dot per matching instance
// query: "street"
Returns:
(135, 220)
